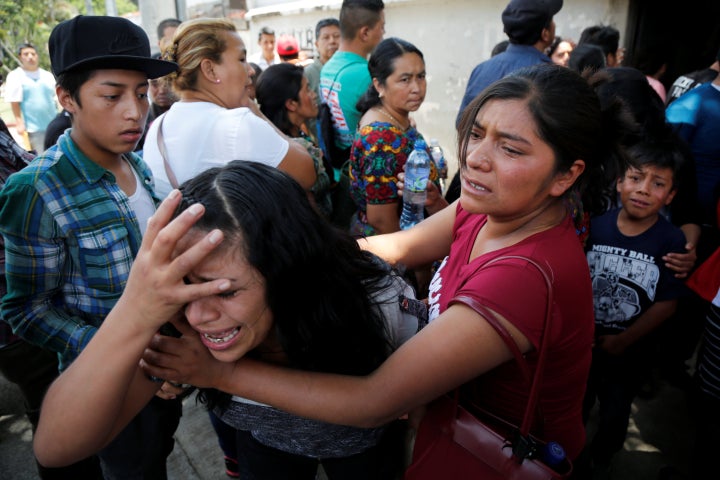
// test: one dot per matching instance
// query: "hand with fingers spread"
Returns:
(156, 289)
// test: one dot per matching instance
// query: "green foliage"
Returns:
(122, 6)
(31, 21)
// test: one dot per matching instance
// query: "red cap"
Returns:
(287, 45)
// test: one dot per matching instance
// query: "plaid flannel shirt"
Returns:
(70, 239)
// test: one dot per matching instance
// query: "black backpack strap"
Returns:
(416, 308)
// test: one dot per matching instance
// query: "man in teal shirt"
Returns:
(345, 77)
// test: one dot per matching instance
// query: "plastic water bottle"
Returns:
(417, 172)
(439, 158)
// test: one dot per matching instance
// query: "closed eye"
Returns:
(511, 151)
(227, 295)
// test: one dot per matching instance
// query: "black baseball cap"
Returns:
(524, 20)
(103, 42)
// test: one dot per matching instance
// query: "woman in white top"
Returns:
(215, 121)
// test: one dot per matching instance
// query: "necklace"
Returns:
(395, 120)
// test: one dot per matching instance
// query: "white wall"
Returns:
(454, 36)
(152, 13)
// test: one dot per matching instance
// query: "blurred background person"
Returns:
(286, 99)
(165, 31)
(288, 49)
(327, 41)
(587, 58)
(530, 28)
(499, 48)
(267, 55)
(688, 81)
(559, 51)
(161, 98)
(30, 91)
(254, 72)
(652, 63)
(608, 39)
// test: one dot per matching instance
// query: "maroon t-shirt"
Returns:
(517, 291)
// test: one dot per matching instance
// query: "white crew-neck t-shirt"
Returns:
(202, 135)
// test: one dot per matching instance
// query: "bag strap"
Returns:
(163, 153)
(332, 85)
(491, 318)
(500, 329)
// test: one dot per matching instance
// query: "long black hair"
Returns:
(277, 84)
(318, 283)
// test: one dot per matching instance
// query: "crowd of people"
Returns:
(224, 237)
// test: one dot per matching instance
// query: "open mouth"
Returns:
(220, 338)
(476, 186)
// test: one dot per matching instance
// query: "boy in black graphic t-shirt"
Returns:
(633, 290)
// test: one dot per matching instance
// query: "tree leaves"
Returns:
(31, 21)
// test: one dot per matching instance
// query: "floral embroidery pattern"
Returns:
(378, 154)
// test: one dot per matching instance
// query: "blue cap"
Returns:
(553, 454)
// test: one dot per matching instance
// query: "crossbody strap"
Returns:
(491, 318)
(332, 85)
(163, 153)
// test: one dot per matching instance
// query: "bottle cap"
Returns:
(434, 142)
(420, 144)
(553, 454)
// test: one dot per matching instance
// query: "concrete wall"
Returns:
(454, 36)
(152, 13)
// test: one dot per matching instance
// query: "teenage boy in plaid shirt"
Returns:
(73, 219)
